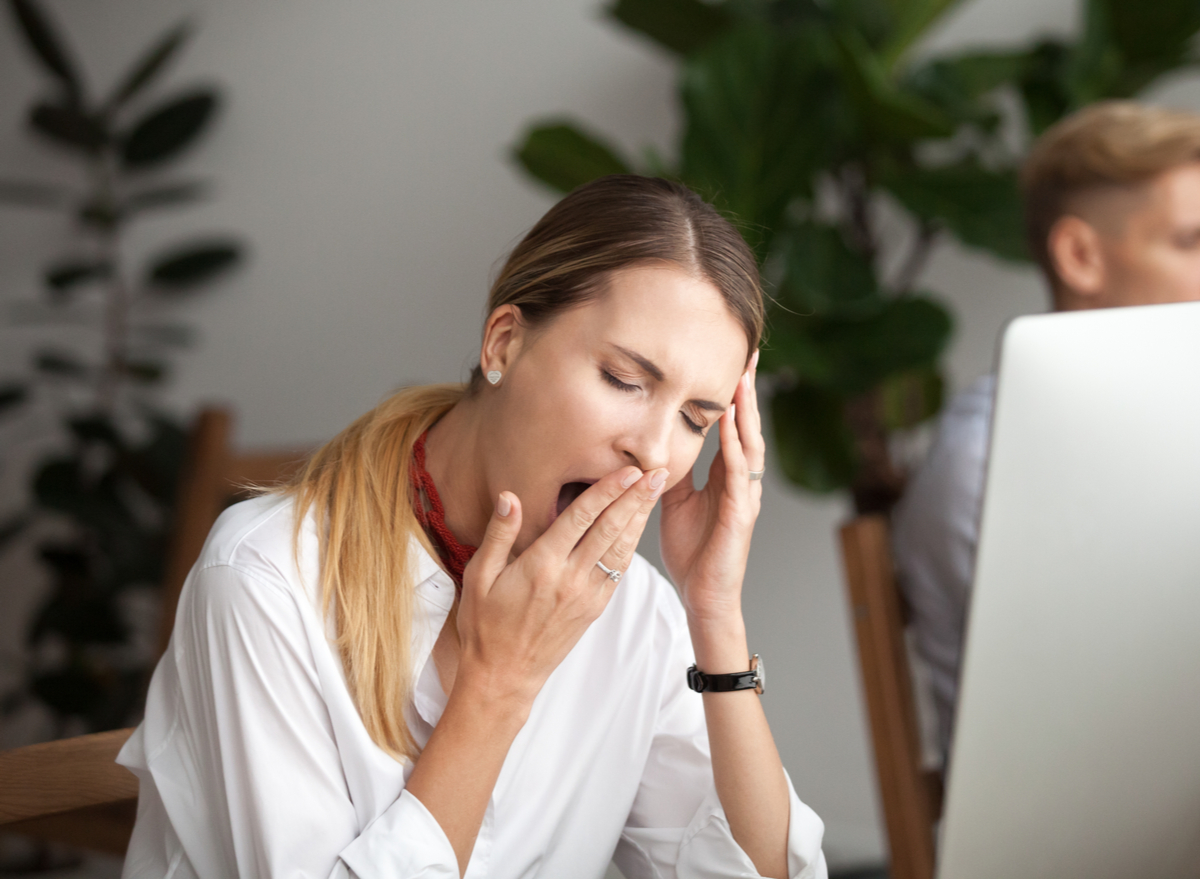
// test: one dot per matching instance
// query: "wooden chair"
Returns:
(911, 796)
(71, 790)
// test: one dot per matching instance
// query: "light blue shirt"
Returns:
(935, 533)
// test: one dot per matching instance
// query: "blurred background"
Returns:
(322, 227)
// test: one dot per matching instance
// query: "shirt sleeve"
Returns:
(677, 828)
(935, 533)
(241, 749)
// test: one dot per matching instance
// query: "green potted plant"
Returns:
(111, 490)
(798, 118)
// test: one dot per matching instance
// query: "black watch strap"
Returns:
(742, 680)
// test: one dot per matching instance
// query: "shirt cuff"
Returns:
(708, 849)
(406, 840)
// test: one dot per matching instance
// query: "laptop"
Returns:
(1077, 739)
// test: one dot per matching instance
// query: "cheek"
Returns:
(685, 451)
(1176, 276)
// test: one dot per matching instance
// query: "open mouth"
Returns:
(568, 493)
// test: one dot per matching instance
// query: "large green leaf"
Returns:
(790, 350)
(906, 334)
(192, 265)
(168, 129)
(851, 354)
(822, 275)
(955, 84)
(912, 19)
(680, 25)
(1043, 84)
(886, 112)
(46, 45)
(564, 157)
(875, 20)
(763, 115)
(982, 208)
(813, 442)
(1127, 44)
(910, 398)
(149, 66)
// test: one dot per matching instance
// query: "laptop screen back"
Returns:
(1077, 742)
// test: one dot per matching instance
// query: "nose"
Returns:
(647, 442)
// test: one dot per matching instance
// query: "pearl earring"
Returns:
(493, 376)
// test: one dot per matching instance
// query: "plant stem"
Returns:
(117, 298)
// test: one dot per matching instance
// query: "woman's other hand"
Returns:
(706, 533)
(519, 618)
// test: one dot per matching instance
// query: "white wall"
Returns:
(363, 154)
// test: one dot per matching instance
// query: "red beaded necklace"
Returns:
(454, 555)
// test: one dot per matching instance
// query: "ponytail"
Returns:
(357, 486)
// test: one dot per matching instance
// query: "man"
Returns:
(1112, 216)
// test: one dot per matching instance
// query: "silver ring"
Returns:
(615, 576)
(755, 475)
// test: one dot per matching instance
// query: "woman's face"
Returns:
(637, 376)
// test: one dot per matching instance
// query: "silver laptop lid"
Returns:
(1077, 744)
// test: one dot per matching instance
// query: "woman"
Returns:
(353, 690)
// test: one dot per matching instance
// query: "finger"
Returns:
(737, 472)
(611, 524)
(492, 556)
(564, 533)
(616, 533)
(749, 423)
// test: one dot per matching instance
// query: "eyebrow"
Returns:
(657, 374)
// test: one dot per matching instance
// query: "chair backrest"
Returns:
(910, 795)
(71, 790)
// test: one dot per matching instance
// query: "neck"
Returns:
(454, 460)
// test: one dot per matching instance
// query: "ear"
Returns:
(1077, 254)
(503, 335)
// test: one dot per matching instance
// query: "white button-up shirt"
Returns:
(254, 761)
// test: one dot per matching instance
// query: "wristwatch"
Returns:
(755, 679)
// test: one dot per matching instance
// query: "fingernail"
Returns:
(754, 360)
(746, 380)
(732, 411)
(630, 478)
(657, 480)
(503, 506)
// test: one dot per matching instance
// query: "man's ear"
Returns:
(1077, 255)
(503, 335)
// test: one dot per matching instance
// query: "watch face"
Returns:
(760, 674)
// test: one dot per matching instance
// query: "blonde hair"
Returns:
(1108, 144)
(358, 487)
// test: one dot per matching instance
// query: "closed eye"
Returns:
(616, 382)
(695, 428)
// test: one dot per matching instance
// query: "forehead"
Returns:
(1176, 193)
(1165, 202)
(680, 322)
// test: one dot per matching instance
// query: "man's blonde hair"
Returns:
(1108, 144)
